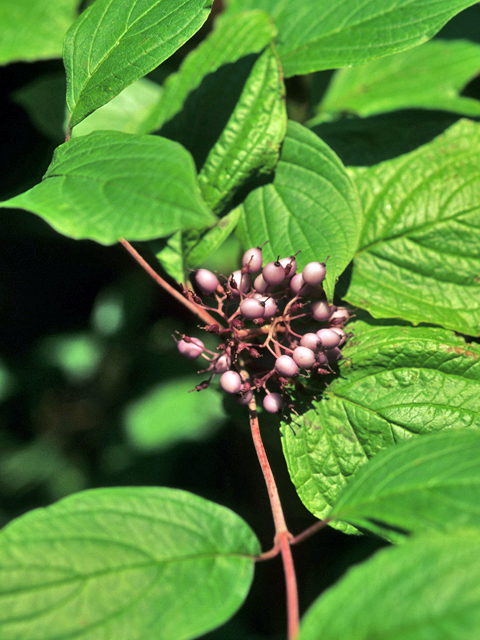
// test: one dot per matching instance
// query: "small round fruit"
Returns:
(192, 349)
(340, 316)
(270, 306)
(298, 285)
(286, 366)
(290, 266)
(245, 397)
(329, 338)
(222, 363)
(251, 308)
(253, 260)
(273, 273)
(314, 273)
(260, 285)
(238, 283)
(207, 281)
(322, 358)
(321, 310)
(333, 355)
(304, 357)
(310, 341)
(230, 382)
(342, 334)
(273, 402)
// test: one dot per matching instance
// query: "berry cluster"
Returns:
(260, 347)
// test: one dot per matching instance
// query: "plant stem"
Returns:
(282, 535)
(194, 308)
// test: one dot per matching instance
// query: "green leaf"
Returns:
(232, 38)
(114, 43)
(396, 382)
(198, 249)
(249, 145)
(418, 255)
(125, 112)
(140, 563)
(311, 206)
(428, 77)
(429, 484)
(34, 29)
(313, 36)
(171, 255)
(426, 589)
(110, 185)
(169, 413)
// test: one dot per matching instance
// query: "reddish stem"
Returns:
(198, 311)
(282, 536)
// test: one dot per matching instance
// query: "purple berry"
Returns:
(314, 273)
(273, 402)
(207, 281)
(286, 366)
(329, 338)
(260, 285)
(321, 310)
(230, 382)
(245, 397)
(290, 266)
(238, 283)
(298, 285)
(273, 273)
(333, 355)
(322, 358)
(192, 349)
(341, 333)
(270, 306)
(253, 260)
(340, 316)
(304, 357)
(310, 341)
(222, 363)
(251, 308)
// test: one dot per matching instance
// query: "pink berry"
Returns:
(290, 266)
(270, 306)
(333, 355)
(238, 283)
(304, 357)
(273, 402)
(286, 366)
(341, 333)
(245, 397)
(207, 281)
(192, 349)
(329, 338)
(273, 273)
(298, 285)
(253, 260)
(251, 308)
(222, 363)
(260, 285)
(321, 310)
(314, 273)
(311, 341)
(230, 382)
(340, 316)
(322, 358)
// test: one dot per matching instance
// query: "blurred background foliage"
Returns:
(92, 391)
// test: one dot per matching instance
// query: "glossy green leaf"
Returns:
(171, 255)
(418, 255)
(171, 413)
(426, 589)
(396, 382)
(200, 246)
(125, 112)
(314, 36)
(126, 562)
(113, 43)
(34, 29)
(428, 77)
(249, 145)
(429, 484)
(311, 206)
(110, 185)
(232, 38)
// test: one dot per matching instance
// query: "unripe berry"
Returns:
(251, 308)
(230, 382)
(260, 285)
(286, 366)
(238, 283)
(321, 310)
(273, 273)
(340, 316)
(329, 338)
(304, 357)
(290, 266)
(311, 341)
(192, 349)
(207, 281)
(222, 363)
(298, 285)
(273, 402)
(314, 273)
(253, 260)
